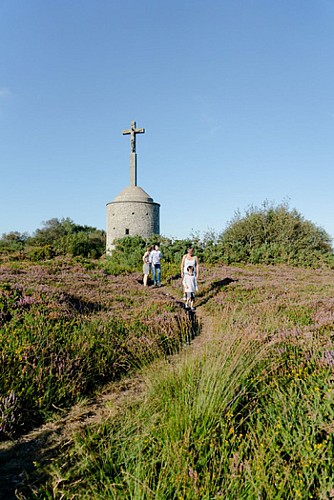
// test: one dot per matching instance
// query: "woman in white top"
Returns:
(146, 265)
(189, 259)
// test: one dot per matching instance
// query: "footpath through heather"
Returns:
(277, 303)
(19, 457)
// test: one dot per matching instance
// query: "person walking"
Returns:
(146, 265)
(190, 287)
(189, 259)
(155, 257)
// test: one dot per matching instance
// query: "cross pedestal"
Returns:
(133, 169)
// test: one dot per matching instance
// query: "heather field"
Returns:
(67, 329)
(246, 411)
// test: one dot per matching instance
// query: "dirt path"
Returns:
(42, 445)
(18, 458)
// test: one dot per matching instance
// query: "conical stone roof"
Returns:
(133, 193)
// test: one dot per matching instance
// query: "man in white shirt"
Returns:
(155, 257)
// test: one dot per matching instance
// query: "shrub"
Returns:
(64, 237)
(39, 253)
(53, 230)
(84, 244)
(128, 253)
(13, 242)
(272, 235)
(126, 256)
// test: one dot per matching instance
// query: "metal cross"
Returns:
(133, 131)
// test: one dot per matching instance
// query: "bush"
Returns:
(84, 244)
(128, 253)
(13, 242)
(272, 235)
(64, 237)
(44, 252)
(126, 256)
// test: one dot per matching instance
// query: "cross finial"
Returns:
(133, 155)
(133, 131)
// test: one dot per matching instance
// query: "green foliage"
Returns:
(273, 235)
(39, 253)
(66, 329)
(57, 237)
(173, 250)
(66, 237)
(248, 414)
(171, 271)
(266, 235)
(211, 251)
(13, 242)
(53, 230)
(290, 448)
(128, 253)
(83, 243)
(126, 256)
(116, 268)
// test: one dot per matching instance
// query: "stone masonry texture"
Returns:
(131, 218)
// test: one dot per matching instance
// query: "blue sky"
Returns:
(237, 99)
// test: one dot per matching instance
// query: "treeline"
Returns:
(262, 235)
(266, 235)
(56, 237)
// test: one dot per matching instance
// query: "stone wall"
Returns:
(131, 218)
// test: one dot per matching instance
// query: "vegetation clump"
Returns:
(248, 415)
(56, 237)
(266, 235)
(65, 330)
(274, 235)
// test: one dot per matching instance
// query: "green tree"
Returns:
(128, 252)
(53, 230)
(274, 234)
(13, 242)
(62, 237)
(83, 243)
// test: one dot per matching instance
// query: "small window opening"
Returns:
(127, 231)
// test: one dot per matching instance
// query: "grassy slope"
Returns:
(66, 330)
(247, 412)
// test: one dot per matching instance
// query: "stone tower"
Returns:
(133, 212)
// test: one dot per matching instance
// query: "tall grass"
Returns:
(247, 415)
(176, 443)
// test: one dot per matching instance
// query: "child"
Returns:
(189, 259)
(190, 287)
